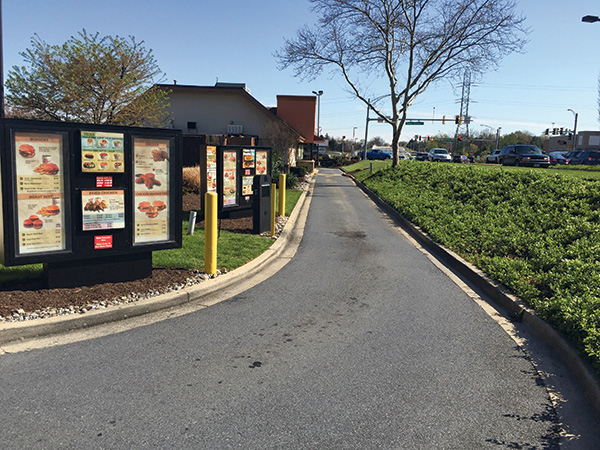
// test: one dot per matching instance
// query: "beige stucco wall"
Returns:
(213, 112)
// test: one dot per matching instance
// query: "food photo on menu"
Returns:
(152, 209)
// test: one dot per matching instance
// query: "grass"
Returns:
(583, 172)
(536, 231)
(234, 250)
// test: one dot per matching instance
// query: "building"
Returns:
(227, 114)
(585, 140)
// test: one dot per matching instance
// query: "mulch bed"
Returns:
(34, 297)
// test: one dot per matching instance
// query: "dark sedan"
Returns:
(558, 158)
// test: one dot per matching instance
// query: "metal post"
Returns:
(318, 134)
(498, 136)
(366, 131)
(192, 222)
(1, 68)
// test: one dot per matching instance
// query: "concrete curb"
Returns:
(287, 243)
(500, 294)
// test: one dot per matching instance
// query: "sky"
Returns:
(204, 41)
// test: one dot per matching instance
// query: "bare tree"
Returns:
(282, 140)
(409, 43)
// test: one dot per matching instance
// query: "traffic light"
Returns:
(547, 132)
(428, 138)
(562, 131)
(457, 120)
(554, 130)
(459, 138)
(419, 137)
(444, 120)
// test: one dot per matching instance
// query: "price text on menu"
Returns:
(40, 192)
(151, 190)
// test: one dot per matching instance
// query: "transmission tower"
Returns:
(464, 118)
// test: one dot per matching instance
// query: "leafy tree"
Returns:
(409, 43)
(377, 141)
(89, 79)
(516, 137)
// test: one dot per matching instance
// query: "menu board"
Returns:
(248, 161)
(247, 185)
(211, 169)
(229, 178)
(103, 210)
(261, 162)
(102, 152)
(39, 188)
(151, 190)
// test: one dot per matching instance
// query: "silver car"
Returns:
(439, 155)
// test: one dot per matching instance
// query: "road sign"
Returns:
(414, 123)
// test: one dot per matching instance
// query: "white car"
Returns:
(439, 154)
(492, 158)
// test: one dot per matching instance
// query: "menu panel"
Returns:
(230, 178)
(103, 210)
(39, 187)
(248, 155)
(151, 195)
(261, 162)
(211, 169)
(102, 152)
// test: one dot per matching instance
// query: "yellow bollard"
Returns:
(210, 232)
(273, 207)
(282, 194)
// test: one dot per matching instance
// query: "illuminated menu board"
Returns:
(230, 178)
(261, 162)
(102, 152)
(211, 169)
(103, 209)
(151, 190)
(39, 187)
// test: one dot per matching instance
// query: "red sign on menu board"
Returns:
(104, 182)
(101, 242)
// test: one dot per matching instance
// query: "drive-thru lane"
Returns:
(360, 341)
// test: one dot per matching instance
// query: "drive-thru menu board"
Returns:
(151, 190)
(40, 192)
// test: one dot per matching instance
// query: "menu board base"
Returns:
(88, 272)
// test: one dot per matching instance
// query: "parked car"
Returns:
(558, 158)
(461, 159)
(492, 158)
(523, 155)
(421, 156)
(377, 153)
(439, 154)
(570, 156)
(586, 157)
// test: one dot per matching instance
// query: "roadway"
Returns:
(360, 341)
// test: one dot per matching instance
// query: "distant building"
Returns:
(226, 114)
(585, 140)
(588, 140)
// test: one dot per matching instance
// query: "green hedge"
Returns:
(537, 233)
